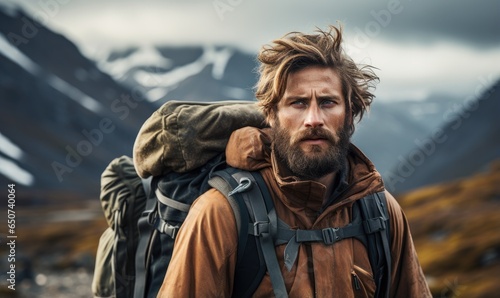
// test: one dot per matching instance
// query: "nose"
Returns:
(313, 117)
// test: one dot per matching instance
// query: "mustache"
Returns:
(315, 133)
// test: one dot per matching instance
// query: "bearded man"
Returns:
(311, 93)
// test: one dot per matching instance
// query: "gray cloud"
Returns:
(476, 23)
(473, 22)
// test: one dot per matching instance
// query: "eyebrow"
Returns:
(321, 97)
(336, 97)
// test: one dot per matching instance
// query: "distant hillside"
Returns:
(466, 144)
(455, 228)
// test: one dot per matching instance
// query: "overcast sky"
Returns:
(420, 47)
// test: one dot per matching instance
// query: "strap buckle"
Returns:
(166, 228)
(374, 225)
(331, 235)
(260, 227)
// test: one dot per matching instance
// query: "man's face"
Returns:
(310, 131)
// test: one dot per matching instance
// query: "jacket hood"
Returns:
(249, 149)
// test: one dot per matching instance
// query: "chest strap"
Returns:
(328, 236)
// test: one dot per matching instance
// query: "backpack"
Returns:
(145, 215)
(123, 199)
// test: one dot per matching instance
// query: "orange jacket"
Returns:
(204, 258)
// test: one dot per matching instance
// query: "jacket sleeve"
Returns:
(204, 255)
(408, 279)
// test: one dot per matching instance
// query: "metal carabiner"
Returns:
(245, 184)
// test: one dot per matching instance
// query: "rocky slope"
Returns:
(455, 228)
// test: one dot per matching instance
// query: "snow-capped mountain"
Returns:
(206, 73)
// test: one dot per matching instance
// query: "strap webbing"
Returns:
(385, 235)
(225, 183)
(146, 184)
(372, 207)
(145, 237)
(170, 202)
(262, 224)
(328, 236)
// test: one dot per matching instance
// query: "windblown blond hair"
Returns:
(295, 51)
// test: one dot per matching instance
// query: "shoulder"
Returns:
(204, 254)
(209, 220)
(392, 205)
(212, 205)
(398, 222)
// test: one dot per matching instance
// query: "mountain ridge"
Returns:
(464, 145)
(83, 113)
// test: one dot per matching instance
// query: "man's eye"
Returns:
(328, 103)
(299, 103)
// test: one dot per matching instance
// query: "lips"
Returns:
(314, 137)
(314, 140)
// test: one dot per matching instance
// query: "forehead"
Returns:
(314, 78)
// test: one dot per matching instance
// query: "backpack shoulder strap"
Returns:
(250, 195)
(375, 217)
(145, 235)
(146, 184)
(225, 183)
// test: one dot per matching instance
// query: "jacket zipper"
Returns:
(322, 210)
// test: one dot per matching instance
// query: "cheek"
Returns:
(337, 118)
(339, 121)
(287, 119)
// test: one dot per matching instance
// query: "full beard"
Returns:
(318, 161)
